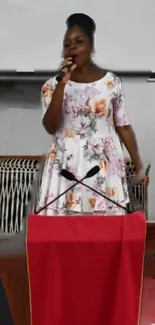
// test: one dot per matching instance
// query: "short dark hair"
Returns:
(84, 22)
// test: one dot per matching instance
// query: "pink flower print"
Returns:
(65, 102)
(97, 146)
(49, 198)
(94, 149)
(107, 142)
(102, 204)
(82, 124)
(121, 165)
(91, 92)
(87, 109)
(50, 170)
(113, 165)
(116, 104)
(60, 143)
(109, 146)
(73, 171)
(78, 177)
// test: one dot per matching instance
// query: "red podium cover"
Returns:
(86, 270)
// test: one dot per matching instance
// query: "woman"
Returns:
(84, 112)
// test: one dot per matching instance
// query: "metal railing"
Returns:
(19, 187)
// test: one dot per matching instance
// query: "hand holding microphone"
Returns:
(66, 69)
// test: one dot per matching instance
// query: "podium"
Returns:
(14, 275)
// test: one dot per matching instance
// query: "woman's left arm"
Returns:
(128, 137)
(123, 126)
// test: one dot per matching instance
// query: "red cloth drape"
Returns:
(86, 270)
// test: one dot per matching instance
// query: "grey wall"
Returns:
(21, 131)
(31, 32)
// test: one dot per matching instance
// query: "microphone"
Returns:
(63, 71)
(93, 171)
(69, 176)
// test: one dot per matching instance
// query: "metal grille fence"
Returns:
(16, 178)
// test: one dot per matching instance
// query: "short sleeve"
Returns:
(46, 93)
(120, 116)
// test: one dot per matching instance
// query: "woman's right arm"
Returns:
(53, 115)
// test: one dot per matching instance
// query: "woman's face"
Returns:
(77, 45)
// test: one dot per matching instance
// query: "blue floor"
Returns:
(5, 317)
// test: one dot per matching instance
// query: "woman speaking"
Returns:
(84, 112)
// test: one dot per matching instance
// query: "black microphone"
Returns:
(63, 71)
(69, 176)
(93, 171)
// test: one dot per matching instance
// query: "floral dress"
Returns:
(87, 137)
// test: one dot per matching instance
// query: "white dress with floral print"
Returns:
(86, 138)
